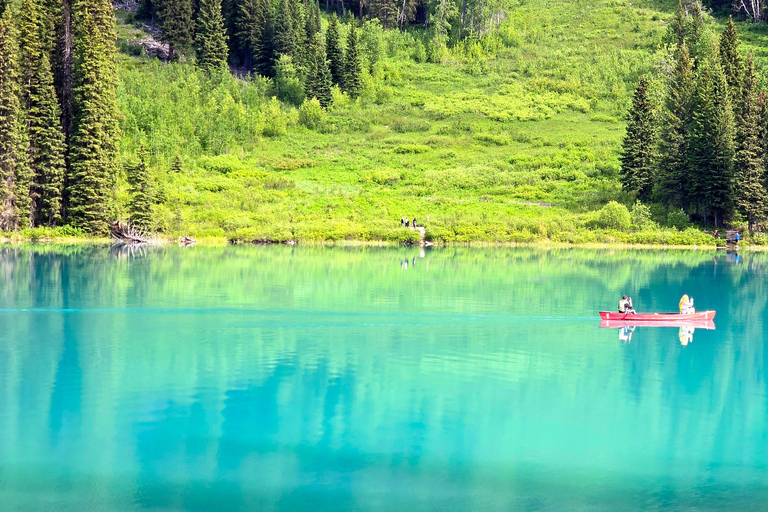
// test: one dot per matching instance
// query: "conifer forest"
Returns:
(300, 120)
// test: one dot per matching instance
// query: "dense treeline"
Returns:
(58, 113)
(704, 149)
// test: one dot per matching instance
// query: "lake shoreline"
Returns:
(546, 244)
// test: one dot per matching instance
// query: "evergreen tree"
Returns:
(696, 37)
(638, 149)
(46, 141)
(749, 162)
(712, 143)
(311, 28)
(140, 206)
(353, 66)
(673, 183)
(319, 77)
(211, 38)
(285, 38)
(676, 31)
(730, 60)
(95, 132)
(11, 151)
(334, 52)
(264, 55)
(247, 30)
(385, 11)
(176, 23)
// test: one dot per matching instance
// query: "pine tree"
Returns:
(353, 66)
(264, 56)
(730, 60)
(696, 37)
(175, 18)
(211, 38)
(676, 31)
(247, 30)
(47, 148)
(749, 162)
(385, 11)
(140, 206)
(95, 132)
(311, 15)
(638, 149)
(319, 77)
(334, 52)
(673, 183)
(42, 120)
(11, 148)
(712, 143)
(285, 38)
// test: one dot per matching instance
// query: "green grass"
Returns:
(521, 146)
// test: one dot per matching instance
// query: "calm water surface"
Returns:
(311, 379)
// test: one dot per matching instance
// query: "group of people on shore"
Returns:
(406, 222)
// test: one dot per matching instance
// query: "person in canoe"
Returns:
(686, 305)
(625, 305)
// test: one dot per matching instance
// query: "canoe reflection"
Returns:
(684, 333)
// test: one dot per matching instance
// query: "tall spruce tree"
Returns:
(639, 147)
(712, 143)
(749, 162)
(319, 76)
(247, 30)
(47, 148)
(730, 60)
(333, 51)
(285, 38)
(46, 141)
(140, 206)
(696, 36)
(175, 18)
(11, 150)
(673, 176)
(211, 38)
(676, 31)
(95, 132)
(311, 14)
(353, 66)
(264, 56)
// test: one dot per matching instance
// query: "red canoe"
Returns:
(658, 317)
(696, 324)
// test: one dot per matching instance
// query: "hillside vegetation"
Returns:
(511, 136)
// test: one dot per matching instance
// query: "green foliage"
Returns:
(674, 170)
(749, 162)
(95, 131)
(318, 80)
(211, 38)
(287, 84)
(614, 216)
(638, 155)
(311, 114)
(353, 66)
(678, 219)
(286, 40)
(140, 206)
(712, 142)
(334, 51)
(175, 17)
(11, 153)
(641, 216)
(730, 60)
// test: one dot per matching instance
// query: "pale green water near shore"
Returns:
(309, 378)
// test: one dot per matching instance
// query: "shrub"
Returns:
(419, 52)
(677, 219)
(276, 121)
(404, 236)
(615, 216)
(641, 216)
(311, 114)
(287, 83)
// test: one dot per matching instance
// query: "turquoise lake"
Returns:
(378, 379)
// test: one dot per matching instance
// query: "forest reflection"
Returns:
(259, 375)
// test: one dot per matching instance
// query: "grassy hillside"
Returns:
(515, 138)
